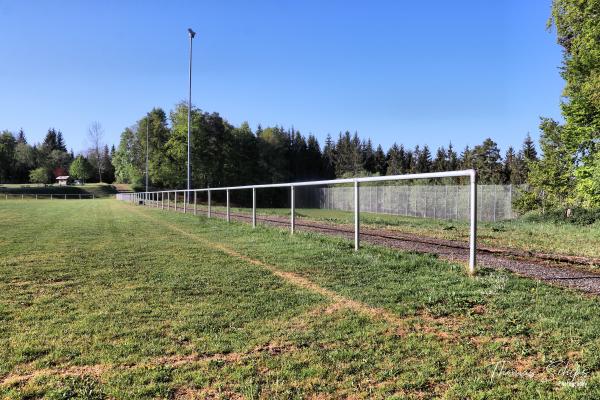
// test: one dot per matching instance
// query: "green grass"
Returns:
(101, 299)
(545, 237)
(99, 190)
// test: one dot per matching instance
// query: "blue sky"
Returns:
(396, 71)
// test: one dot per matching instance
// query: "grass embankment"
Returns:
(99, 190)
(103, 299)
(541, 237)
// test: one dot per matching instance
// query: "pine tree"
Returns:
(60, 142)
(529, 151)
(424, 160)
(314, 159)
(405, 159)
(440, 163)
(356, 154)
(329, 158)
(21, 137)
(369, 157)
(380, 161)
(394, 162)
(453, 162)
(50, 141)
(512, 169)
(108, 170)
(414, 164)
(466, 158)
(488, 162)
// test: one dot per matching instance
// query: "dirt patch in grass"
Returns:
(97, 370)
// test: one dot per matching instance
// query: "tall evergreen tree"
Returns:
(394, 161)
(8, 144)
(466, 158)
(414, 161)
(369, 157)
(380, 161)
(453, 162)
(440, 162)
(528, 149)
(424, 160)
(313, 159)
(488, 162)
(329, 158)
(21, 137)
(60, 142)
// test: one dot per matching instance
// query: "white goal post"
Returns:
(158, 198)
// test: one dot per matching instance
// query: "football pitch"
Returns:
(103, 299)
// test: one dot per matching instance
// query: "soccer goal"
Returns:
(203, 200)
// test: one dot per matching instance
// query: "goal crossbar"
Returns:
(158, 198)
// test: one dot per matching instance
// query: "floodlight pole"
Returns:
(191, 34)
(147, 148)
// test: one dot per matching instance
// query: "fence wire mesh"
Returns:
(426, 201)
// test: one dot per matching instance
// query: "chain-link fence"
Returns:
(494, 202)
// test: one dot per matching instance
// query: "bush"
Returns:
(39, 175)
(578, 216)
(138, 187)
(526, 201)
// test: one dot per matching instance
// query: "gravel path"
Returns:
(553, 269)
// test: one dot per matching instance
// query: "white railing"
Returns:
(158, 198)
(50, 196)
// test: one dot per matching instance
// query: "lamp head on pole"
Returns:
(192, 33)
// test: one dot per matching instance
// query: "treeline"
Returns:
(225, 155)
(568, 174)
(349, 156)
(21, 162)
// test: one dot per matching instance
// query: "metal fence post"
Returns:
(185, 200)
(209, 210)
(292, 210)
(434, 202)
(175, 200)
(195, 203)
(446, 203)
(510, 200)
(356, 217)
(50, 197)
(473, 230)
(456, 201)
(254, 207)
(495, 201)
(228, 213)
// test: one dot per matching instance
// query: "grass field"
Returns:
(545, 237)
(97, 189)
(101, 299)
